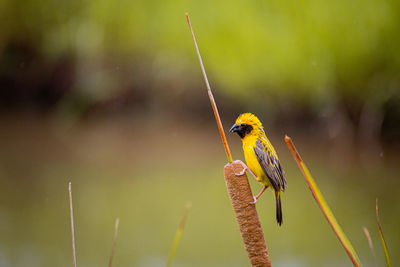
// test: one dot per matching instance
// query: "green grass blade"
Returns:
(322, 204)
(385, 249)
(371, 246)
(178, 235)
(71, 212)
(114, 242)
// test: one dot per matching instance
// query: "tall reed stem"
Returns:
(210, 96)
(71, 212)
(239, 190)
(322, 203)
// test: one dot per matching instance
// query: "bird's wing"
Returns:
(271, 166)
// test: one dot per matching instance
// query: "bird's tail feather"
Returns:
(278, 208)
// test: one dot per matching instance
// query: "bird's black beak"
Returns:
(234, 128)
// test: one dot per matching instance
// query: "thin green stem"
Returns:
(71, 212)
(178, 235)
(385, 249)
(114, 242)
(322, 203)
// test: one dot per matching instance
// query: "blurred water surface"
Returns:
(109, 95)
(146, 177)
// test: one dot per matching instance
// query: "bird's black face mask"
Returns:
(241, 129)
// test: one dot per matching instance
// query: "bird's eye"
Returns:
(242, 124)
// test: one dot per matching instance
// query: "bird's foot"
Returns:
(242, 172)
(245, 168)
(255, 200)
(259, 195)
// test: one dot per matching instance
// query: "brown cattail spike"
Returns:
(246, 214)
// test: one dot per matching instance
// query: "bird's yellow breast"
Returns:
(249, 143)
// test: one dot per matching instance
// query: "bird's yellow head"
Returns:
(246, 124)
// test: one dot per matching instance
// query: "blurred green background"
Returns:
(109, 95)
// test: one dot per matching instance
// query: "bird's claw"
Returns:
(243, 165)
(255, 200)
(245, 168)
(241, 173)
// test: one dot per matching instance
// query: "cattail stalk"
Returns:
(239, 189)
(246, 214)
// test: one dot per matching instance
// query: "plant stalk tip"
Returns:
(178, 235)
(210, 96)
(114, 242)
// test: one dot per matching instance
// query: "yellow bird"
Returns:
(261, 158)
